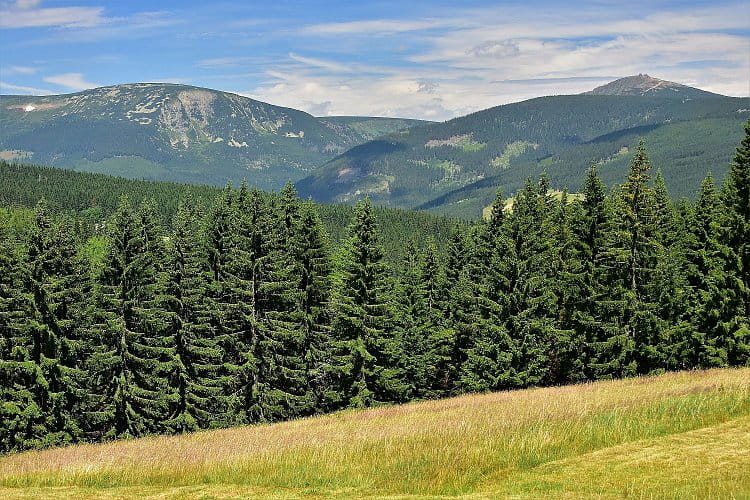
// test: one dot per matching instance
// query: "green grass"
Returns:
(683, 435)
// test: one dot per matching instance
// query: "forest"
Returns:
(243, 311)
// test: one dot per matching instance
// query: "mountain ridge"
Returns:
(645, 85)
(167, 131)
(455, 167)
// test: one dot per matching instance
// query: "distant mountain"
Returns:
(645, 85)
(456, 167)
(178, 132)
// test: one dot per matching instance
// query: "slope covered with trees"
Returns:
(91, 198)
(455, 167)
(243, 313)
(178, 133)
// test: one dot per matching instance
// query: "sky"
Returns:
(418, 59)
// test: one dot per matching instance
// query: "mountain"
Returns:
(645, 85)
(456, 167)
(177, 132)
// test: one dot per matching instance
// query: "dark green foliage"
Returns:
(247, 314)
(194, 374)
(456, 167)
(736, 236)
(366, 364)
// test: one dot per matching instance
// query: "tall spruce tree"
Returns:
(195, 372)
(489, 350)
(589, 228)
(57, 288)
(21, 418)
(314, 306)
(736, 236)
(705, 304)
(365, 366)
(631, 340)
(130, 361)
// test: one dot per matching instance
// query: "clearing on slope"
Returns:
(680, 434)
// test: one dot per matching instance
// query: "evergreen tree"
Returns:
(489, 350)
(57, 287)
(736, 236)
(631, 337)
(314, 306)
(195, 371)
(365, 364)
(129, 363)
(21, 418)
(587, 318)
(705, 303)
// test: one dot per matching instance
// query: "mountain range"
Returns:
(457, 166)
(178, 133)
(190, 134)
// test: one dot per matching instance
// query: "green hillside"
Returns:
(455, 167)
(680, 435)
(684, 151)
(92, 197)
(177, 133)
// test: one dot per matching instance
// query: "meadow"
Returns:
(678, 435)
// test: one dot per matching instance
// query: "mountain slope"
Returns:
(176, 132)
(679, 435)
(645, 85)
(501, 146)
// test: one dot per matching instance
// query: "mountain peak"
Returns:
(646, 85)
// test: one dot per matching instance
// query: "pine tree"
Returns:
(130, 360)
(314, 306)
(631, 339)
(57, 287)
(736, 236)
(20, 415)
(366, 356)
(195, 371)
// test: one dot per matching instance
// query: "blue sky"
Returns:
(423, 59)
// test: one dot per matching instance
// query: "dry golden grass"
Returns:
(676, 435)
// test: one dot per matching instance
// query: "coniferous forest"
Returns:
(244, 311)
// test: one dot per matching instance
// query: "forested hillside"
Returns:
(241, 312)
(91, 198)
(455, 167)
(177, 133)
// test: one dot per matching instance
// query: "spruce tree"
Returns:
(57, 288)
(587, 319)
(314, 306)
(705, 304)
(489, 350)
(130, 360)
(366, 356)
(21, 418)
(195, 367)
(632, 337)
(736, 236)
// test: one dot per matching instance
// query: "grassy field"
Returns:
(681, 435)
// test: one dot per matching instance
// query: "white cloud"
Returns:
(473, 59)
(27, 4)
(378, 26)
(334, 67)
(6, 87)
(18, 70)
(68, 17)
(72, 81)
